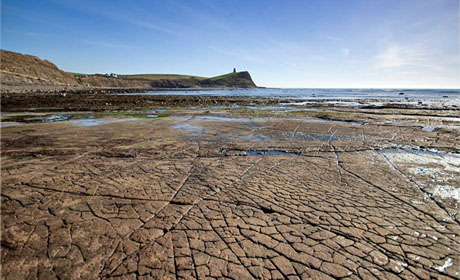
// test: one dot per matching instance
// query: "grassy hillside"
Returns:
(155, 77)
(225, 76)
(76, 74)
(21, 71)
(239, 79)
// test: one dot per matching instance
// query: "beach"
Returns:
(204, 186)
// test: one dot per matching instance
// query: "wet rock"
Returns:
(151, 199)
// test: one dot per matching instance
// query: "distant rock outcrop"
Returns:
(231, 80)
(237, 79)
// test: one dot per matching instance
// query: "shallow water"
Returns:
(418, 151)
(194, 129)
(436, 171)
(232, 119)
(48, 118)
(95, 122)
(160, 110)
(9, 124)
(254, 152)
(87, 119)
(319, 93)
(192, 126)
(428, 128)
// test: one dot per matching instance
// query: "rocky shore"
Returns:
(242, 188)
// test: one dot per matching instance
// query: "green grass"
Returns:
(225, 76)
(226, 80)
(76, 74)
(154, 77)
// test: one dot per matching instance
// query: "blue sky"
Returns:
(322, 43)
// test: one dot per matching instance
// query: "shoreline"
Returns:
(36, 90)
(108, 101)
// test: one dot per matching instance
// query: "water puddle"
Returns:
(95, 122)
(267, 119)
(429, 128)
(436, 171)
(9, 124)
(191, 124)
(268, 153)
(193, 129)
(432, 128)
(332, 103)
(318, 137)
(49, 118)
(83, 119)
(223, 119)
(254, 152)
(275, 109)
(447, 192)
(182, 118)
(157, 111)
(416, 150)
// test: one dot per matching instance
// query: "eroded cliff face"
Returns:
(26, 73)
(238, 79)
(19, 69)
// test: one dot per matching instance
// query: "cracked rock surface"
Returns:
(177, 197)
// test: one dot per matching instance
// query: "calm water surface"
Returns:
(315, 93)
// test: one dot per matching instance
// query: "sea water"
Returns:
(317, 93)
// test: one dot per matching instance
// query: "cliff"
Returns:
(26, 73)
(232, 80)
(19, 69)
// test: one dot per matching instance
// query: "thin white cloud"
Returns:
(158, 25)
(210, 20)
(106, 44)
(394, 56)
(346, 51)
(397, 56)
(146, 24)
(333, 38)
(73, 39)
(238, 54)
(291, 47)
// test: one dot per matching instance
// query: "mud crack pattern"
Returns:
(142, 200)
